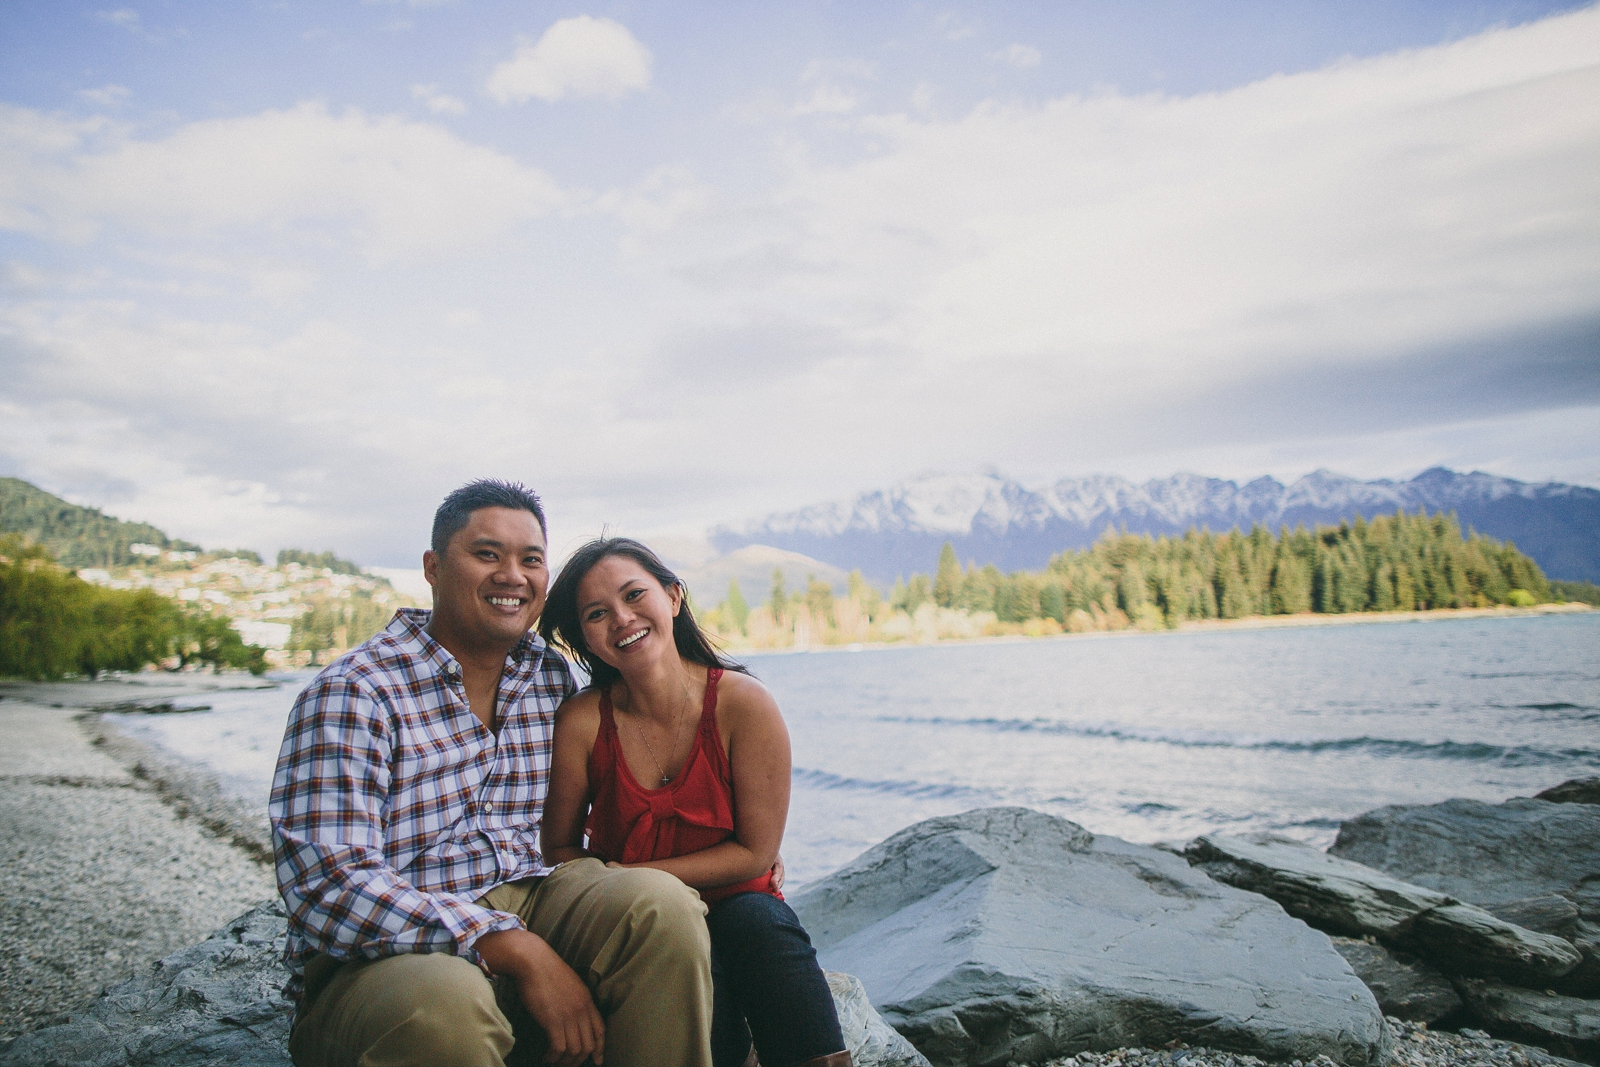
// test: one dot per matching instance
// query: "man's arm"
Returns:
(329, 799)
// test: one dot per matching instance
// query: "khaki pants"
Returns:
(637, 937)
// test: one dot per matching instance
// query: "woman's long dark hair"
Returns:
(560, 623)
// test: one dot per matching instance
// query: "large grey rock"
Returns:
(1572, 791)
(217, 1004)
(1548, 914)
(1484, 853)
(212, 1004)
(1496, 854)
(1405, 987)
(870, 1041)
(1565, 1025)
(1349, 898)
(1006, 934)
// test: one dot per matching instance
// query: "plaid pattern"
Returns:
(393, 809)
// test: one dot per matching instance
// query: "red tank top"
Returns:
(631, 824)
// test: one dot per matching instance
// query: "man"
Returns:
(405, 816)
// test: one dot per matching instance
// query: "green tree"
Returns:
(779, 601)
(917, 593)
(76, 536)
(819, 599)
(947, 582)
(53, 624)
(738, 612)
(866, 595)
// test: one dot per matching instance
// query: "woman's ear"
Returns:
(677, 594)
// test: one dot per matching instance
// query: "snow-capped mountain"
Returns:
(993, 519)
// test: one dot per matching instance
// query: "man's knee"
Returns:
(422, 1008)
(664, 909)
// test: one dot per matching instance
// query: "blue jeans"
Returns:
(767, 985)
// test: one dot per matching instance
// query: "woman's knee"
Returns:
(756, 923)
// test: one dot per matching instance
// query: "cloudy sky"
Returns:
(284, 273)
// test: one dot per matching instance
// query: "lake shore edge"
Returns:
(181, 798)
(115, 853)
(1302, 620)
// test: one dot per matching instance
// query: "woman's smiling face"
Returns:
(625, 613)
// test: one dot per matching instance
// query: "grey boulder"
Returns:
(212, 1004)
(1481, 853)
(1572, 791)
(1406, 987)
(870, 1041)
(1005, 934)
(1509, 858)
(1343, 897)
(1566, 1025)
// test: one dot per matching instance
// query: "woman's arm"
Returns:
(758, 753)
(566, 805)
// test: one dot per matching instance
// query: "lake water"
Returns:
(1150, 737)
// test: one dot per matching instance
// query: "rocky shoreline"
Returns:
(117, 855)
(114, 856)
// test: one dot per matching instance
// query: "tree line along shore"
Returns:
(1393, 563)
(55, 624)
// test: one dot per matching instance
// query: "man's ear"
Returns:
(430, 567)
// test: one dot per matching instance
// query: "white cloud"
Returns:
(829, 86)
(1048, 277)
(125, 17)
(576, 57)
(827, 100)
(438, 103)
(106, 96)
(1136, 284)
(1021, 56)
(953, 28)
(390, 187)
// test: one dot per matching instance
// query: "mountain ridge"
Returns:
(991, 518)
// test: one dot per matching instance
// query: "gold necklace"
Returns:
(677, 719)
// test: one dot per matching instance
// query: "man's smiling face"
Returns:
(489, 586)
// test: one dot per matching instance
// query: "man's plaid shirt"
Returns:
(394, 809)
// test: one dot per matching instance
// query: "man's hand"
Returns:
(554, 995)
(777, 872)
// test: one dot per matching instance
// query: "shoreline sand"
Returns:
(114, 854)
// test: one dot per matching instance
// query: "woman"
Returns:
(675, 758)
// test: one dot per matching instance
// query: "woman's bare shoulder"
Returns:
(741, 698)
(579, 710)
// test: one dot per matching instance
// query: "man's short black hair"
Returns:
(458, 507)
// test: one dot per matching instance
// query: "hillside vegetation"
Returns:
(75, 536)
(54, 624)
(1393, 563)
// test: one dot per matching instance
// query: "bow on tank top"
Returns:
(631, 824)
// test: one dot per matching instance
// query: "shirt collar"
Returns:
(411, 626)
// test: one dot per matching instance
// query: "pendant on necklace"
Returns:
(666, 779)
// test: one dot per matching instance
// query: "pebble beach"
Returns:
(1411, 1045)
(107, 864)
(114, 855)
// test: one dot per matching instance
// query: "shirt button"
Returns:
(488, 809)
